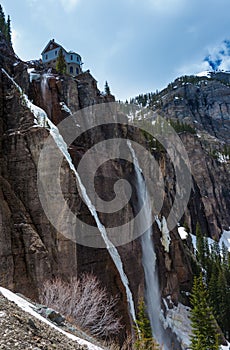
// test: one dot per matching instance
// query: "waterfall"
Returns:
(109, 245)
(44, 90)
(38, 112)
(152, 292)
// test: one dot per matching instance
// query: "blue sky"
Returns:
(138, 46)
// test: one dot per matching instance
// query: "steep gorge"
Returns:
(32, 250)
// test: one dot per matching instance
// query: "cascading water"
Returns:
(110, 247)
(44, 90)
(152, 293)
(38, 112)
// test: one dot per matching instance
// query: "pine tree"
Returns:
(2, 20)
(8, 30)
(200, 245)
(222, 300)
(212, 290)
(107, 89)
(204, 332)
(216, 256)
(145, 340)
(61, 64)
(5, 26)
(219, 287)
(207, 260)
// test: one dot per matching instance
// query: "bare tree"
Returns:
(85, 301)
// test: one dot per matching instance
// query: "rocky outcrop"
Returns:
(209, 204)
(202, 102)
(32, 250)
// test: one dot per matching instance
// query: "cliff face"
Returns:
(204, 104)
(31, 249)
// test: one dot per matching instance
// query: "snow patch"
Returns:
(182, 232)
(210, 241)
(165, 239)
(206, 74)
(33, 75)
(225, 347)
(65, 108)
(222, 158)
(225, 238)
(29, 308)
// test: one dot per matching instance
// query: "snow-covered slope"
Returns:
(29, 308)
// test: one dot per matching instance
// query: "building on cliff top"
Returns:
(73, 59)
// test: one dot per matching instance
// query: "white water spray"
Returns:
(152, 293)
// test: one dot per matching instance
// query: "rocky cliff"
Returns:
(32, 250)
(203, 103)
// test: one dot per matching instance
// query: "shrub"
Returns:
(85, 301)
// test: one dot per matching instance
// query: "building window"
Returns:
(77, 70)
(71, 70)
(71, 57)
(56, 53)
(46, 57)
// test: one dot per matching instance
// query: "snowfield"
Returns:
(29, 308)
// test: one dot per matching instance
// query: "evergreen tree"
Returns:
(219, 286)
(204, 332)
(212, 289)
(207, 260)
(222, 301)
(225, 255)
(107, 89)
(61, 64)
(8, 30)
(216, 256)
(200, 246)
(2, 20)
(5, 26)
(145, 340)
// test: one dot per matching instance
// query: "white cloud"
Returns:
(219, 56)
(225, 64)
(193, 68)
(69, 5)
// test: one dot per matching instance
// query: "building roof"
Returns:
(51, 42)
(55, 46)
